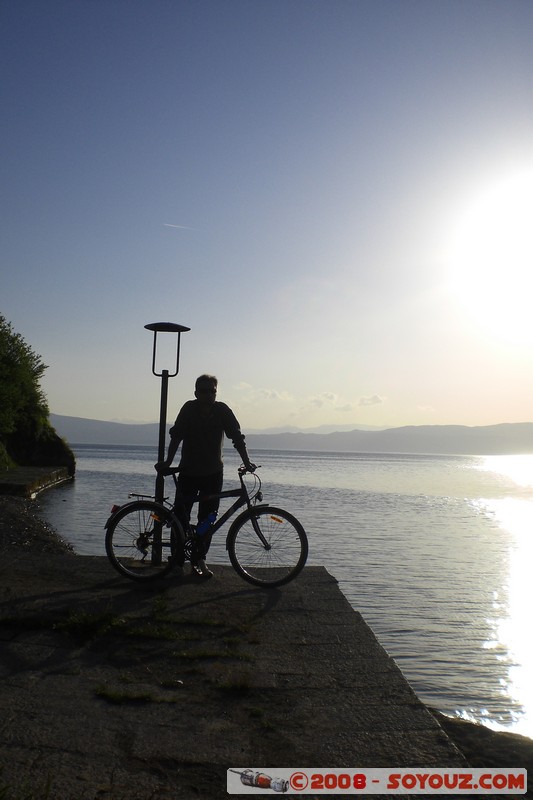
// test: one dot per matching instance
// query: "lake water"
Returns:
(434, 551)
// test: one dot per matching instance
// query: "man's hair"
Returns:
(206, 379)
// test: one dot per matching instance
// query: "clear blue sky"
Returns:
(334, 195)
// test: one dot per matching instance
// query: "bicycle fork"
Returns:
(259, 533)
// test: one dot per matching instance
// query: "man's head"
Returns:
(205, 388)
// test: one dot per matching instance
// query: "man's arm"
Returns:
(172, 450)
(175, 441)
(240, 447)
(233, 432)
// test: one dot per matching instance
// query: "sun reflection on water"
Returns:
(519, 469)
(513, 631)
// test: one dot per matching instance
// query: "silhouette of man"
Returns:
(200, 428)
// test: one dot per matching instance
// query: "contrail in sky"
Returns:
(182, 227)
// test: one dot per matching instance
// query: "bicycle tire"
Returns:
(130, 537)
(281, 560)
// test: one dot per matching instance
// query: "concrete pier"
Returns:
(29, 481)
(112, 689)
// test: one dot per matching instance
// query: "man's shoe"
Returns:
(201, 570)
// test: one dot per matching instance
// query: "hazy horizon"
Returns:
(290, 427)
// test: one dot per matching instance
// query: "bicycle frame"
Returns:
(243, 499)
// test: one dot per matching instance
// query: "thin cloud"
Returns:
(375, 400)
(324, 398)
(180, 227)
(253, 395)
(273, 394)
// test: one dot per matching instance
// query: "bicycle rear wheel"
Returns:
(131, 534)
(267, 547)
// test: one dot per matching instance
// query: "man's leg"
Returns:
(208, 485)
(186, 494)
(187, 490)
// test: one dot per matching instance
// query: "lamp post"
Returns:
(165, 374)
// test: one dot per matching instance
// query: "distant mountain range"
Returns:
(506, 438)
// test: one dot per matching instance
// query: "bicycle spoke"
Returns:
(269, 548)
(132, 541)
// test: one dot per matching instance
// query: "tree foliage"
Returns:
(23, 404)
(26, 436)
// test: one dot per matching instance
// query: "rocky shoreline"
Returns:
(22, 530)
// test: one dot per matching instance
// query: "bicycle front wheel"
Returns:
(268, 546)
(141, 542)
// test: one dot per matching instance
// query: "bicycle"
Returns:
(267, 546)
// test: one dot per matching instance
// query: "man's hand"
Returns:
(161, 465)
(249, 467)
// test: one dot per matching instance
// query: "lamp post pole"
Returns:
(165, 374)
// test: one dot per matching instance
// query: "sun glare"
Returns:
(513, 630)
(492, 258)
(518, 468)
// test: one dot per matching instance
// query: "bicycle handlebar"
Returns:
(242, 470)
